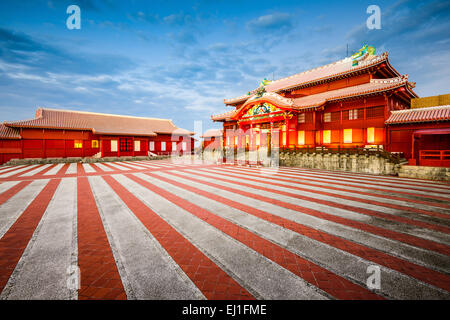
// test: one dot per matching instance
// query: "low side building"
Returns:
(422, 134)
(65, 134)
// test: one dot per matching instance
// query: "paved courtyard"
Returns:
(183, 230)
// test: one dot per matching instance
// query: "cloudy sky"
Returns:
(180, 59)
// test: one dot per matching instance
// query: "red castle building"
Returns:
(344, 104)
(65, 134)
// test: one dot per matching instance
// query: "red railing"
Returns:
(440, 158)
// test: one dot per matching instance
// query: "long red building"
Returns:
(343, 104)
(65, 134)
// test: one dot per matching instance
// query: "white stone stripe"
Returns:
(54, 170)
(145, 164)
(5, 186)
(387, 186)
(378, 181)
(115, 165)
(7, 168)
(103, 167)
(36, 171)
(71, 169)
(417, 255)
(42, 270)
(395, 284)
(344, 190)
(360, 202)
(150, 271)
(16, 205)
(380, 192)
(129, 164)
(361, 185)
(11, 173)
(253, 271)
(330, 209)
(135, 164)
(369, 177)
(88, 168)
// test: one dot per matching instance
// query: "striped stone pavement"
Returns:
(193, 230)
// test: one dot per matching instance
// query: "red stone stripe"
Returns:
(369, 182)
(80, 170)
(363, 186)
(62, 172)
(419, 272)
(15, 240)
(359, 209)
(293, 179)
(100, 278)
(362, 177)
(327, 281)
(212, 281)
(409, 239)
(5, 196)
(23, 172)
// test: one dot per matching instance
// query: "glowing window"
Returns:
(326, 136)
(78, 144)
(152, 145)
(327, 117)
(301, 137)
(113, 145)
(284, 138)
(235, 140)
(94, 144)
(347, 135)
(184, 146)
(137, 145)
(371, 135)
(258, 139)
(163, 146)
(174, 146)
(228, 141)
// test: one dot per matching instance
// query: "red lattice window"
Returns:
(125, 145)
(375, 112)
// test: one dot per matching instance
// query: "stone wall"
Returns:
(422, 172)
(373, 164)
(82, 160)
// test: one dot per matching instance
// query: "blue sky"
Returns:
(180, 59)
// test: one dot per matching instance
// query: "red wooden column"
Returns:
(101, 147)
(286, 123)
(132, 145)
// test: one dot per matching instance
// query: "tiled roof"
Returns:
(99, 123)
(440, 113)
(9, 133)
(212, 133)
(325, 72)
(223, 116)
(316, 100)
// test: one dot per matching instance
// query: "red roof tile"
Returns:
(99, 123)
(439, 113)
(316, 100)
(212, 133)
(9, 133)
(325, 72)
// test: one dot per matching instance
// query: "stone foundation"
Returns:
(82, 160)
(422, 172)
(373, 164)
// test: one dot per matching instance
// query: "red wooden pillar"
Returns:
(118, 147)
(101, 148)
(132, 145)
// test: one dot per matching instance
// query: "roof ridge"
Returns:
(423, 109)
(103, 114)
